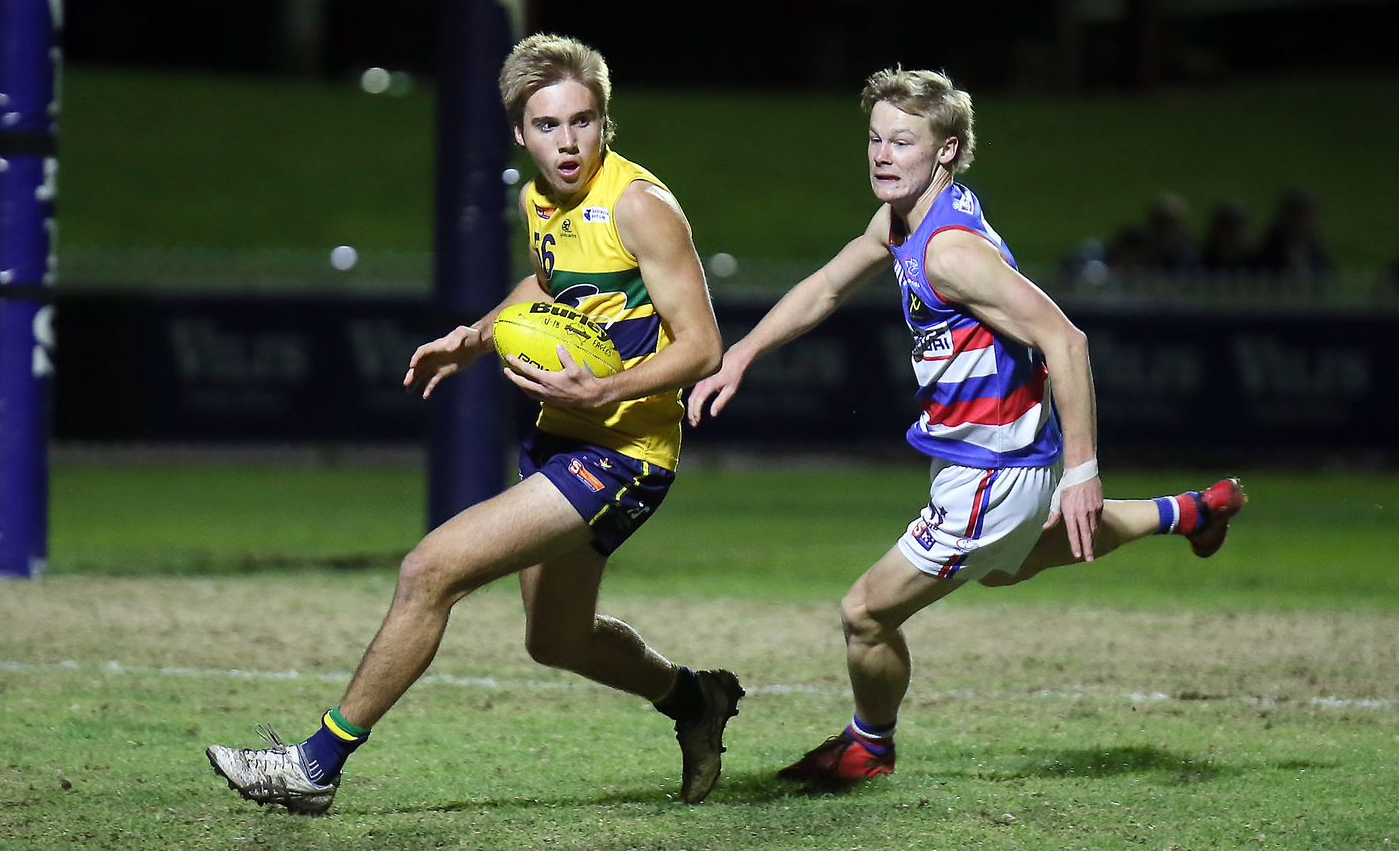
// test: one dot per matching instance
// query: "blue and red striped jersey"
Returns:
(983, 395)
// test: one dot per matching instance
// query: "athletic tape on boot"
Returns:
(1087, 471)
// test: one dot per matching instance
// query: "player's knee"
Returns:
(420, 578)
(857, 619)
(551, 649)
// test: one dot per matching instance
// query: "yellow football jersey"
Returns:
(587, 266)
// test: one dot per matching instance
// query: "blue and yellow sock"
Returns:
(324, 754)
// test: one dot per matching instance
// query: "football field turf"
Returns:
(1153, 700)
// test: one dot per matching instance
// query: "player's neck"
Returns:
(942, 178)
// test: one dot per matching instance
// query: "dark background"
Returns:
(1067, 45)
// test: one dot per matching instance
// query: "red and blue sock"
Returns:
(878, 739)
(325, 753)
(1182, 514)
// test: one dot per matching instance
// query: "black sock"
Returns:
(685, 702)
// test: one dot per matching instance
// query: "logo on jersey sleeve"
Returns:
(963, 204)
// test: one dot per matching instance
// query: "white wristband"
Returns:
(1084, 472)
(1080, 474)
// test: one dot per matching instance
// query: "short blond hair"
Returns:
(544, 59)
(931, 95)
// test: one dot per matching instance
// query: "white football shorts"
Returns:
(977, 521)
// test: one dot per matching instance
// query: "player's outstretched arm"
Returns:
(447, 355)
(804, 307)
(972, 272)
(444, 357)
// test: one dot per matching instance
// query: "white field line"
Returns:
(114, 668)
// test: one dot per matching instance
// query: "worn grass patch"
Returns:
(1030, 726)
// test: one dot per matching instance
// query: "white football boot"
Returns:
(272, 775)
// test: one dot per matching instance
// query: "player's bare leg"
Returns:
(1125, 521)
(564, 630)
(880, 667)
(518, 528)
(873, 614)
(521, 527)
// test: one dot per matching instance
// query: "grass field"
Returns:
(241, 163)
(1153, 700)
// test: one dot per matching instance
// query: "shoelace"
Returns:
(278, 756)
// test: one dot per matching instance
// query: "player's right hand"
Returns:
(721, 386)
(441, 358)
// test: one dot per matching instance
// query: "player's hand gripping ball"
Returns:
(534, 331)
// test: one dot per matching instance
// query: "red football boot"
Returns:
(1221, 501)
(840, 763)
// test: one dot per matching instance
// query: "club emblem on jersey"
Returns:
(579, 295)
(963, 204)
(545, 213)
(575, 467)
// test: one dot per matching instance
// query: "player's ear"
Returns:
(948, 152)
(519, 132)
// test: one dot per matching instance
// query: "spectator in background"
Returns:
(1292, 245)
(1170, 248)
(1228, 245)
(1129, 252)
(1162, 245)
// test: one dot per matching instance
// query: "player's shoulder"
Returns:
(644, 204)
(880, 227)
(957, 205)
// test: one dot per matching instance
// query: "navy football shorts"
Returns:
(613, 494)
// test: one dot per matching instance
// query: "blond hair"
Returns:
(542, 60)
(931, 95)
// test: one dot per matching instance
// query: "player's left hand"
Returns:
(1081, 509)
(574, 386)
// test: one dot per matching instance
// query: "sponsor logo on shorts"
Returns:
(575, 466)
(937, 515)
(966, 545)
(923, 534)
